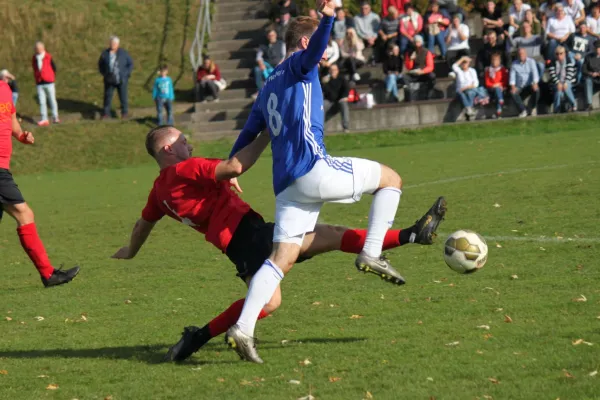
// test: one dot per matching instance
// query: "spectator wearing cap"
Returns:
(467, 86)
(575, 10)
(10, 79)
(399, 4)
(591, 73)
(532, 45)
(115, 66)
(208, 80)
(44, 72)
(388, 32)
(437, 25)
(367, 24)
(524, 80)
(516, 15)
(419, 65)
(341, 23)
(562, 76)
(491, 18)
(352, 54)
(411, 24)
(484, 56)
(593, 21)
(335, 96)
(457, 39)
(392, 68)
(559, 31)
(268, 57)
(496, 81)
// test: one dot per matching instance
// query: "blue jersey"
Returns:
(290, 106)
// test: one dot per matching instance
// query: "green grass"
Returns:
(545, 180)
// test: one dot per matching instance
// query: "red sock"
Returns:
(228, 318)
(33, 246)
(354, 240)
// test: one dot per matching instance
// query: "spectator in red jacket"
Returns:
(496, 81)
(399, 4)
(208, 80)
(44, 72)
(420, 70)
(411, 24)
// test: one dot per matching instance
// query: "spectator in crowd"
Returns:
(484, 56)
(392, 68)
(582, 46)
(467, 86)
(333, 55)
(208, 80)
(282, 26)
(562, 77)
(283, 6)
(496, 82)
(437, 25)
(589, 4)
(335, 96)
(388, 32)
(352, 54)
(367, 24)
(546, 11)
(313, 14)
(558, 31)
(10, 79)
(399, 4)
(268, 57)
(532, 45)
(591, 72)
(575, 10)
(115, 65)
(524, 80)
(419, 65)
(530, 18)
(163, 95)
(411, 24)
(457, 39)
(340, 24)
(593, 22)
(516, 15)
(44, 72)
(491, 19)
(450, 7)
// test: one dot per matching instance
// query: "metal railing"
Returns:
(202, 30)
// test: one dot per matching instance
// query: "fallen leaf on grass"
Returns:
(494, 381)
(499, 309)
(3, 372)
(453, 343)
(479, 352)
(577, 342)
(8, 318)
(108, 398)
(39, 318)
(244, 382)
(588, 343)
(498, 245)
(356, 316)
(220, 380)
(566, 374)
(309, 397)
(593, 373)
(382, 297)
(333, 379)
(284, 341)
(52, 386)
(294, 382)
(580, 299)
(497, 205)
(514, 277)
(127, 301)
(83, 317)
(507, 319)
(316, 303)
(486, 397)
(487, 336)
(542, 249)
(305, 362)
(486, 327)
(43, 376)
(368, 396)
(430, 379)
(419, 322)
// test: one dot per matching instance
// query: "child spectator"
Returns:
(163, 95)
(12, 83)
(457, 39)
(467, 86)
(496, 82)
(352, 56)
(591, 72)
(437, 24)
(411, 24)
(562, 76)
(335, 93)
(523, 80)
(208, 80)
(420, 70)
(392, 68)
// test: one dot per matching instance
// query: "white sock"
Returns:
(381, 217)
(261, 289)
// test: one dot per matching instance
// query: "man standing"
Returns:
(335, 92)
(44, 71)
(524, 79)
(11, 199)
(115, 65)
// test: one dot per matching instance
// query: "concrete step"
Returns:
(247, 24)
(213, 135)
(220, 55)
(235, 44)
(232, 104)
(221, 16)
(235, 74)
(234, 94)
(224, 115)
(247, 84)
(242, 5)
(207, 127)
(245, 63)
(257, 34)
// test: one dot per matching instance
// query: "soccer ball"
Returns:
(465, 251)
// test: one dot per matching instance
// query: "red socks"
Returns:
(354, 240)
(33, 246)
(228, 318)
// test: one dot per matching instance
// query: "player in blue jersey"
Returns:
(290, 107)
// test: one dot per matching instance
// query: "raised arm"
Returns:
(318, 42)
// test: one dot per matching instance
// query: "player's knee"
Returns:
(21, 213)
(390, 178)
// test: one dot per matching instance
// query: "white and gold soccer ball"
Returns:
(465, 251)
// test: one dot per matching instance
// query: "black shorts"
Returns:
(252, 244)
(9, 191)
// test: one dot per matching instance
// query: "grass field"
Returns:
(530, 187)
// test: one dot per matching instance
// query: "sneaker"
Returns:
(56, 121)
(379, 266)
(191, 340)
(243, 344)
(60, 277)
(346, 130)
(424, 229)
(523, 114)
(356, 77)
(124, 116)
(44, 122)
(533, 112)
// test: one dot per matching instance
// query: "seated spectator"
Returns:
(575, 10)
(491, 19)
(450, 7)
(536, 26)
(562, 77)
(282, 7)
(340, 24)
(558, 31)
(484, 56)
(282, 25)
(411, 24)
(419, 65)
(12, 83)
(467, 86)
(524, 80)
(496, 82)
(582, 46)
(367, 24)
(208, 80)
(589, 5)
(516, 15)
(335, 96)
(437, 25)
(392, 68)
(532, 45)
(593, 22)
(457, 40)
(352, 56)
(591, 73)
(333, 55)
(546, 11)
(163, 95)
(267, 58)
(388, 32)
(399, 4)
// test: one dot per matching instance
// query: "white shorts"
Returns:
(335, 180)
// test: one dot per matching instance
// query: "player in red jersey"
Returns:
(11, 199)
(197, 192)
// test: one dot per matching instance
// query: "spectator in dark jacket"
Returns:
(335, 95)
(44, 71)
(591, 73)
(208, 80)
(484, 57)
(115, 65)
(562, 76)
(582, 47)
(420, 70)
(285, 6)
(392, 68)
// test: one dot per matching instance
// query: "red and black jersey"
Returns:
(7, 109)
(189, 192)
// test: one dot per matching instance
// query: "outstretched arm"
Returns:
(318, 42)
(254, 126)
(140, 233)
(243, 160)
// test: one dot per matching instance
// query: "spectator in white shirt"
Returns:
(574, 9)
(546, 11)
(558, 32)
(467, 86)
(457, 39)
(593, 22)
(333, 55)
(516, 15)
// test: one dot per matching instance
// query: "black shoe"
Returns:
(424, 229)
(60, 277)
(191, 340)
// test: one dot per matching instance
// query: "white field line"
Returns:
(535, 239)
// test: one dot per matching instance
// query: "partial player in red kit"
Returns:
(197, 192)
(11, 199)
